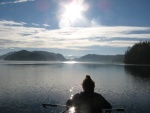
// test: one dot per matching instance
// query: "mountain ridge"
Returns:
(25, 55)
(102, 58)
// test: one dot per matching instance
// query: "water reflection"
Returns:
(138, 71)
(72, 110)
(25, 86)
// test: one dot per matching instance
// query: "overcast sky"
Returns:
(73, 27)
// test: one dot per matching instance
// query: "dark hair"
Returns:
(88, 84)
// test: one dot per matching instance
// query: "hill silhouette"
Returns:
(5, 55)
(139, 53)
(24, 55)
(101, 58)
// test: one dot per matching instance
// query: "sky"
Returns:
(73, 27)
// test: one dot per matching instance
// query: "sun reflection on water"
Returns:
(71, 62)
(71, 96)
(72, 110)
(71, 90)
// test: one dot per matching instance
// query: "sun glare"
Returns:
(73, 11)
(72, 110)
(70, 62)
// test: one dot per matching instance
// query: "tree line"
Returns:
(139, 53)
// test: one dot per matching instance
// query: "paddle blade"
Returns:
(44, 105)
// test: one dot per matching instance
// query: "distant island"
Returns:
(102, 58)
(139, 53)
(24, 55)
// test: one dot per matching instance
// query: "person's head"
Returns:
(88, 84)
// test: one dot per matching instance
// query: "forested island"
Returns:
(24, 55)
(102, 58)
(139, 53)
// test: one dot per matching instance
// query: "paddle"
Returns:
(54, 105)
(114, 109)
(59, 105)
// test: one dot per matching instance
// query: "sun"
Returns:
(73, 11)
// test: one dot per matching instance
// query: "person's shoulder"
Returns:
(77, 95)
(101, 99)
(97, 94)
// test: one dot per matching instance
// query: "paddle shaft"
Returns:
(56, 105)
(116, 109)
(53, 105)
(59, 105)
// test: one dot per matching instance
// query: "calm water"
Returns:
(24, 86)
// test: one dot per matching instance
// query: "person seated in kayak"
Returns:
(88, 101)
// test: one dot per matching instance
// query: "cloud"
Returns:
(35, 24)
(14, 34)
(16, 1)
(11, 23)
(46, 25)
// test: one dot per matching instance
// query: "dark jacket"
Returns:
(89, 103)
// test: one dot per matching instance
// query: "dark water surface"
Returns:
(24, 86)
